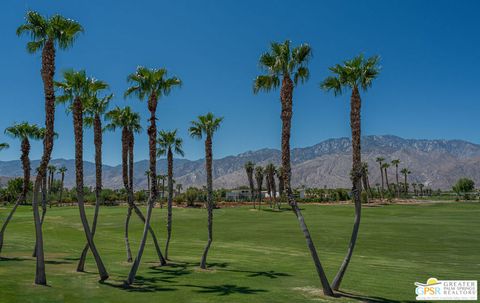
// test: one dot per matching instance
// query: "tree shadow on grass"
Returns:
(6, 259)
(142, 284)
(267, 274)
(370, 299)
(53, 262)
(226, 289)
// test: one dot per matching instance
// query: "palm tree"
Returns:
(24, 132)
(396, 162)
(52, 169)
(151, 84)
(366, 182)
(405, 172)
(249, 167)
(206, 126)
(355, 74)
(280, 181)
(179, 188)
(62, 170)
(95, 108)
(129, 122)
(281, 64)
(162, 178)
(46, 34)
(380, 163)
(270, 171)
(169, 143)
(77, 89)
(420, 186)
(147, 174)
(414, 185)
(259, 178)
(385, 166)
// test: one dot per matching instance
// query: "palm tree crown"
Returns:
(25, 130)
(282, 61)
(4, 146)
(58, 29)
(205, 125)
(62, 170)
(168, 140)
(123, 117)
(76, 84)
(355, 73)
(95, 106)
(146, 82)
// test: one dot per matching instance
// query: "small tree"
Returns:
(464, 186)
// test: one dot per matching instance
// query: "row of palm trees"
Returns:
(284, 66)
(82, 96)
(259, 173)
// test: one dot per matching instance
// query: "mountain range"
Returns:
(435, 163)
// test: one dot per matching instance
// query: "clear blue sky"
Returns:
(428, 87)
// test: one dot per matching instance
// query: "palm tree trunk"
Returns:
(61, 188)
(381, 175)
(208, 166)
(286, 96)
(78, 129)
(386, 180)
(48, 73)
(97, 140)
(7, 220)
(169, 202)
(127, 242)
(355, 125)
(152, 134)
(44, 208)
(252, 188)
(26, 169)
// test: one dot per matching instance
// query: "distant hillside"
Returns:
(436, 163)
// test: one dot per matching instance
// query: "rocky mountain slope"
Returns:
(436, 163)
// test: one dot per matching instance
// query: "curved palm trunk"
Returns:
(355, 103)
(97, 140)
(208, 166)
(170, 200)
(44, 208)
(78, 129)
(23, 196)
(152, 134)
(125, 152)
(47, 72)
(286, 96)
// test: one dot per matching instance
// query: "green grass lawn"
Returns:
(256, 256)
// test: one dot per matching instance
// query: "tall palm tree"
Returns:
(280, 180)
(52, 169)
(151, 84)
(355, 74)
(385, 166)
(270, 171)
(249, 167)
(282, 63)
(76, 90)
(46, 34)
(162, 178)
(405, 172)
(147, 174)
(259, 178)
(396, 162)
(179, 188)
(24, 132)
(366, 182)
(62, 170)
(169, 143)
(95, 108)
(380, 163)
(420, 186)
(206, 126)
(129, 122)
